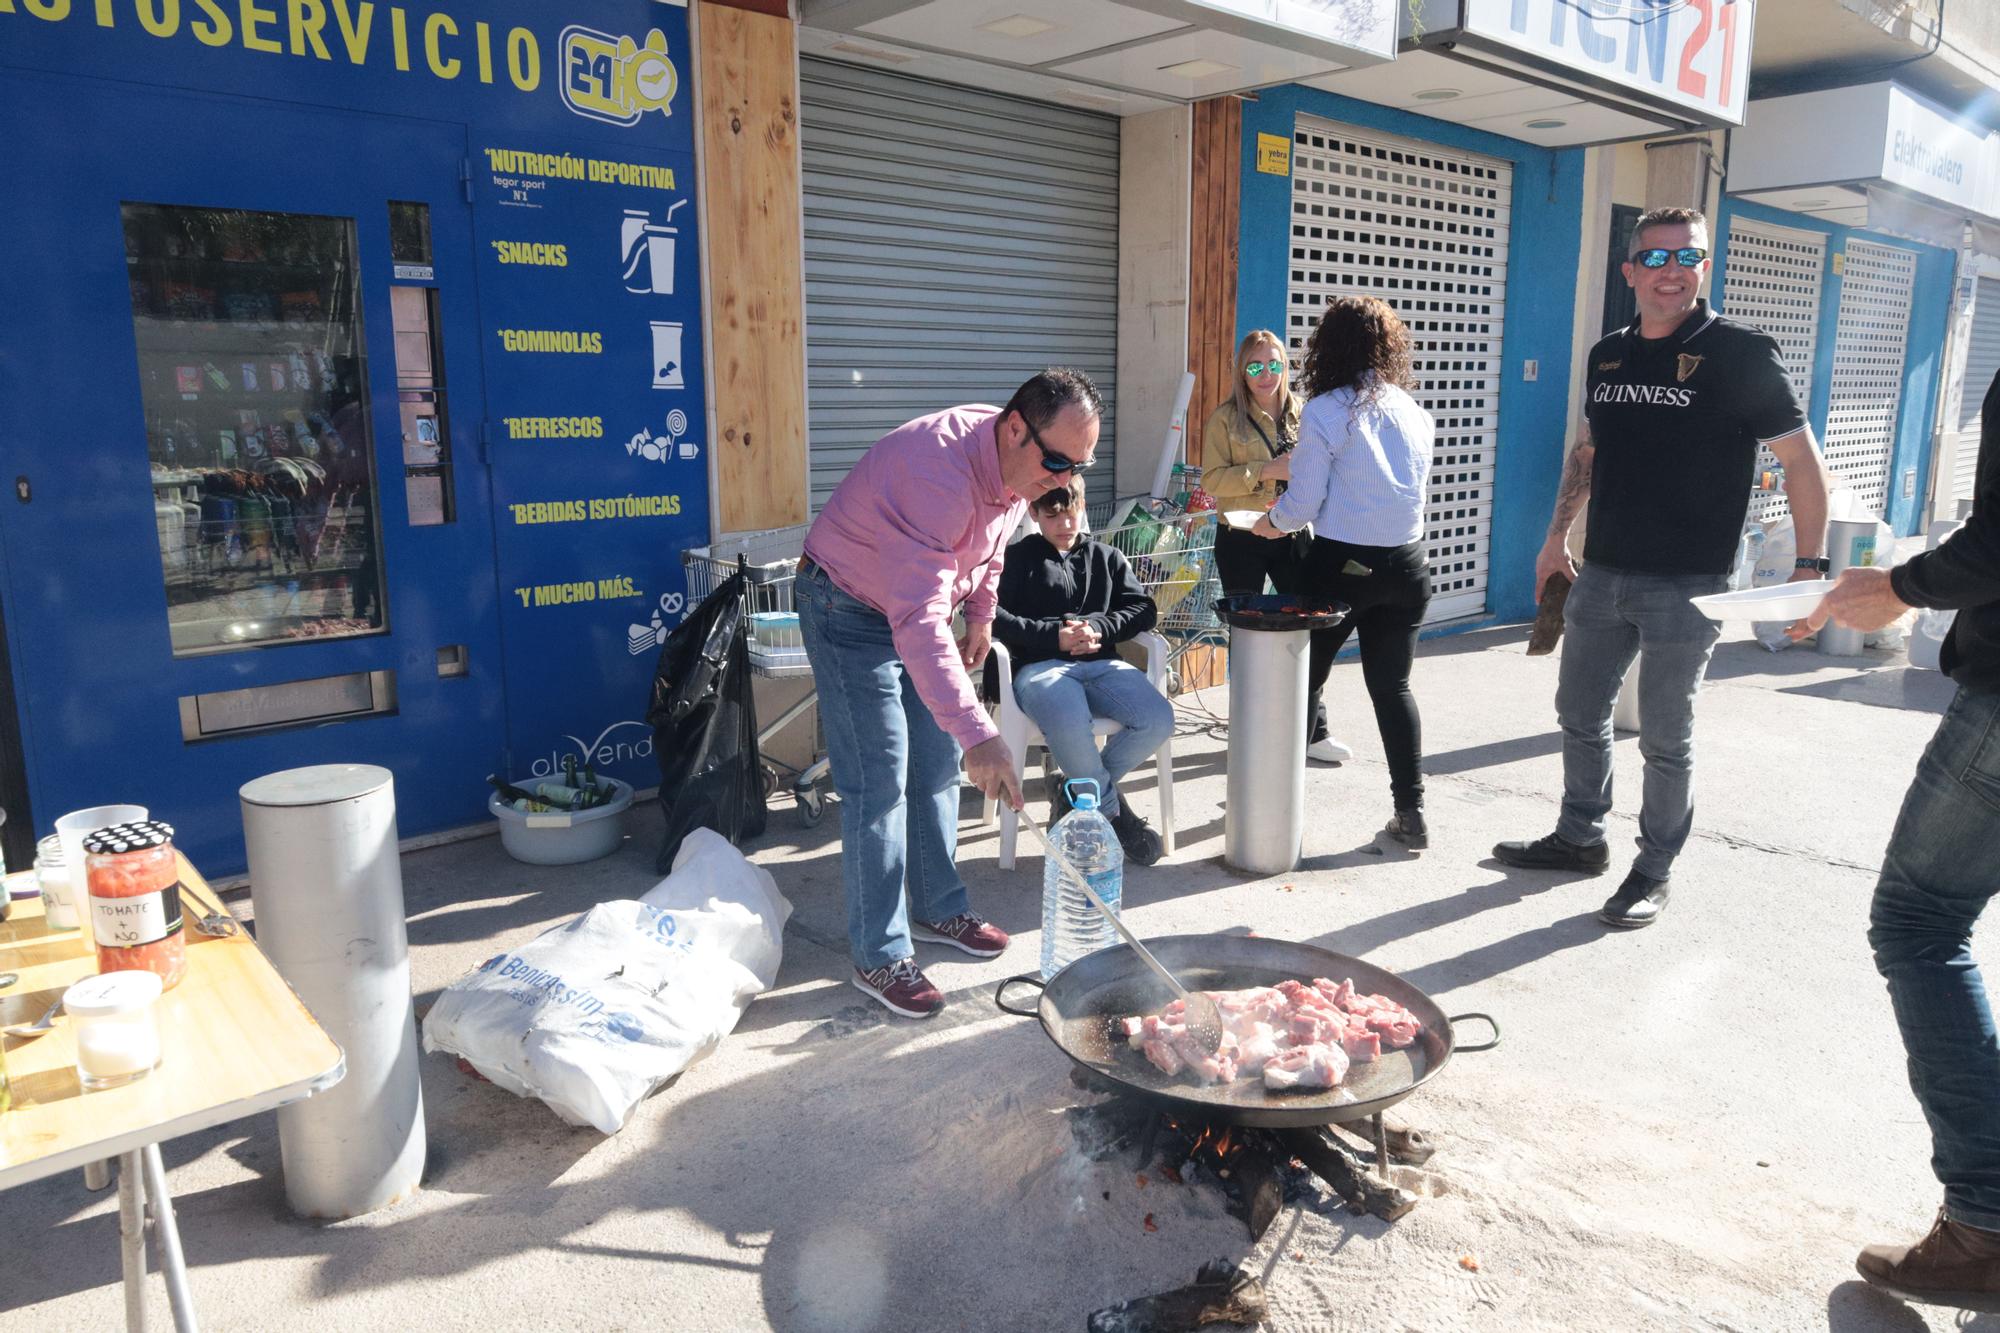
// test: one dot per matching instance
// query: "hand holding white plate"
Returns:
(1779, 601)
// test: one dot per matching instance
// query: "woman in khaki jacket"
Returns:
(1245, 462)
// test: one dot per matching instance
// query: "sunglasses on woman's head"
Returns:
(1687, 257)
(1258, 369)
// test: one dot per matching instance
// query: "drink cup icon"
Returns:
(646, 252)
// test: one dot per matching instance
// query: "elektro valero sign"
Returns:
(1691, 55)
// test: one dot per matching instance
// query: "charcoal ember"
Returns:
(1221, 1293)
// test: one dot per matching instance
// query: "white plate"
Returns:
(1780, 601)
(1242, 518)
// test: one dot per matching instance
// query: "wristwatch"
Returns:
(1820, 563)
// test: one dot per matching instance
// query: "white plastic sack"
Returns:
(1774, 565)
(593, 1015)
(1927, 637)
(1749, 550)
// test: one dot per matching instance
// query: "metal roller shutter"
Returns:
(1868, 349)
(1425, 229)
(1982, 362)
(955, 243)
(1771, 280)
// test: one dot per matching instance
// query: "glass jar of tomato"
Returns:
(135, 900)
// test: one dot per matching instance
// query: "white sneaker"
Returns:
(1329, 751)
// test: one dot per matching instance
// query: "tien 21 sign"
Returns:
(1692, 55)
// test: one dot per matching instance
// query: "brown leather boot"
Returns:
(1954, 1265)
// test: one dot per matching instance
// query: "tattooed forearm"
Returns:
(1573, 491)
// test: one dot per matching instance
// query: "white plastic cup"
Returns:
(73, 828)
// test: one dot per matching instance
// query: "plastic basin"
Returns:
(563, 837)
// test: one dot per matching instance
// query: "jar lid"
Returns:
(115, 839)
(125, 992)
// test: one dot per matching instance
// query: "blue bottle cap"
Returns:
(1082, 793)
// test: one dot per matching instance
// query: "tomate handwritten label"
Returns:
(127, 923)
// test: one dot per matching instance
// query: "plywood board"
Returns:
(756, 268)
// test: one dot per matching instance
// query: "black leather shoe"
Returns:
(1555, 852)
(1408, 828)
(1638, 902)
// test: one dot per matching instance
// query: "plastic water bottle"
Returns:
(1071, 926)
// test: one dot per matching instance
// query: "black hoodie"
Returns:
(1040, 587)
(1963, 573)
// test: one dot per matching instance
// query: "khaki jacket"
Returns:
(1233, 454)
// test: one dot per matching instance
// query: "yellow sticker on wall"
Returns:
(1274, 155)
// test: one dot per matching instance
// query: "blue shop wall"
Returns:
(1930, 313)
(1545, 236)
(553, 147)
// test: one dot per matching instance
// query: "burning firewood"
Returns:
(1407, 1147)
(1328, 1159)
(1221, 1293)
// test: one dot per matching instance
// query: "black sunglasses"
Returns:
(1687, 257)
(1051, 460)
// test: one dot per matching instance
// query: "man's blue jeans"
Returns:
(1611, 617)
(896, 772)
(1064, 696)
(1942, 866)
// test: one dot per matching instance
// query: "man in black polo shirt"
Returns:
(1937, 877)
(1678, 404)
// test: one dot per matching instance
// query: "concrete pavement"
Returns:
(1692, 1126)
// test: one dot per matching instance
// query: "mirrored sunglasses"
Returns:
(1686, 257)
(1258, 369)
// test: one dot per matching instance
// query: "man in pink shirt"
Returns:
(915, 534)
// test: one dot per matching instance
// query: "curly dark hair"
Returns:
(1356, 335)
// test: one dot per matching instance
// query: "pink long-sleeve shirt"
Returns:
(916, 531)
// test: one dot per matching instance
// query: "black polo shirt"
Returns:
(1676, 422)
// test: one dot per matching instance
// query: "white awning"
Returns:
(1875, 155)
(1132, 55)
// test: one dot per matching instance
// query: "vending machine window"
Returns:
(253, 373)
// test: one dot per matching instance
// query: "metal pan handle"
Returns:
(1000, 991)
(1487, 1019)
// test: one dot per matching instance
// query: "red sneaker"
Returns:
(981, 939)
(900, 988)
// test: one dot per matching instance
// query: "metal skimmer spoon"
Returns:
(1204, 1020)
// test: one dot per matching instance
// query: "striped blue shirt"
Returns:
(1359, 471)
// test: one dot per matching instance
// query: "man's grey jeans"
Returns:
(1611, 617)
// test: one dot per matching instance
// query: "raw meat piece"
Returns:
(1313, 1066)
(1164, 1056)
(1254, 1051)
(1294, 1034)
(1361, 1045)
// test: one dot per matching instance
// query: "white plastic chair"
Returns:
(1021, 733)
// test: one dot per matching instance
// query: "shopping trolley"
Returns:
(1173, 556)
(769, 561)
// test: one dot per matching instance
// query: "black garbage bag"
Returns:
(704, 721)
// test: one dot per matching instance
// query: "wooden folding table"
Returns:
(235, 1041)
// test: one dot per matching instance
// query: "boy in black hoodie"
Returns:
(1066, 602)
